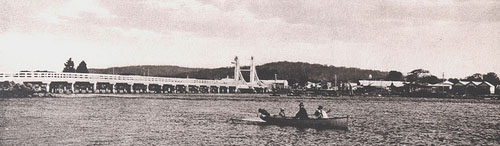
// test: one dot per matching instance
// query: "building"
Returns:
(353, 86)
(459, 87)
(279, 84)
(473, 88)
(311, 85)
(443, 87)
(447, 85)
(381, 84)
(486, 87)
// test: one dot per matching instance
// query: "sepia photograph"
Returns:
(249, 72)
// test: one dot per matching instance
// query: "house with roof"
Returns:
(473, 88)
(443, 87)
(370, 86)
(486, 87)
(497, 90)
(459, 87)
(381, 84)
(311, 85)
(278, 84)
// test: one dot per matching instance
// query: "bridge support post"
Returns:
(47, 88)
(72, 87)
(94, 87)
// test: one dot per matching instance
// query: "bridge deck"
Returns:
(50, 81)
(93, 78)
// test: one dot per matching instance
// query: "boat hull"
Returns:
(329, 123)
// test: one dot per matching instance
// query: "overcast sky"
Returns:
(458, 37)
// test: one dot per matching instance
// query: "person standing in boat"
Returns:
(320, 113)
(302, 114)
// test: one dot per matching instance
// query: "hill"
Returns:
(154, 70)
(294, 72)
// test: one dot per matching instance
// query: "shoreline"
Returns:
(246, 97)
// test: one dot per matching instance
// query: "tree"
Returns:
(475, 77)
(416, 75)
(69, 66)
(82, 68)
(422, 76)
(453, 80)
(394, 76)
(430, 79)
(492, 78)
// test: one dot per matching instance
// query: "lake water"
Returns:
(178, 120)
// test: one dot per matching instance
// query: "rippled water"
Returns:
(205, 121)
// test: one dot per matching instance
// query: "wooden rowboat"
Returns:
(327, 123)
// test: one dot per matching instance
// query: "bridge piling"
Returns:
(104, 83)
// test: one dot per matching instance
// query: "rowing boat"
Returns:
(326, 123)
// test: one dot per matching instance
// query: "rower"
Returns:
(264, 112)
(302, 114)
(282, 112)
(320, 113)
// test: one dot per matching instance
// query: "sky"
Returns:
(454, 37)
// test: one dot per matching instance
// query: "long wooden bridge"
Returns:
(52, 82)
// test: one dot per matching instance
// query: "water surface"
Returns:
(206, 121)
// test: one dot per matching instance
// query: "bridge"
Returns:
(52, 82)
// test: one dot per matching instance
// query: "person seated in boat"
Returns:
(282, 113)
(302, 114)
(320, 113)
(264, 112)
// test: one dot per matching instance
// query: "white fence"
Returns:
(93, 78)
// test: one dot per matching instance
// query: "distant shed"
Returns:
(487, 87)
(281, 84)
(381, 84)
(484, 87)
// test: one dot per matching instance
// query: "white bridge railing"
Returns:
(93, 78)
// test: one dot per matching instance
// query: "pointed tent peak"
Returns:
(476, 83)
(463, 82)
(487, 83)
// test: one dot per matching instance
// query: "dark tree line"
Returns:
(423, 76)
(490, 77)
(69, 66)
(394, 76)
(417, 76)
